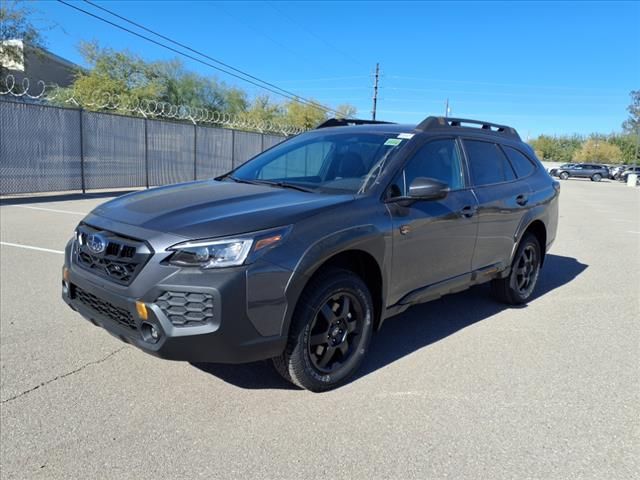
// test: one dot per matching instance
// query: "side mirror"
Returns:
(423, 188)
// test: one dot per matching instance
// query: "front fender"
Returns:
(365, 238)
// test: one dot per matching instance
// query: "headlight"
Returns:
(225, 252)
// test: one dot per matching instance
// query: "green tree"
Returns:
(632, 123)
(556, 149)
(627, 145)
(263, 109)
(346, 110)
(599, 150)
(115, 75)
(303, 115)
(15, 24)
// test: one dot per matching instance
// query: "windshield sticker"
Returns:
(406, 135)
(393, 141)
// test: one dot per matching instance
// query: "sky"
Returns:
(542, 67)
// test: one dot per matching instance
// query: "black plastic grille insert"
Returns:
(186, 308)
(117, 314)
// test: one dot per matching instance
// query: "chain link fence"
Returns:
(45, 148)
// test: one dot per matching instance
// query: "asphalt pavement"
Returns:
(461, 388)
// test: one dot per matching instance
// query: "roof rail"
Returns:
(433, 123)
(344, 122)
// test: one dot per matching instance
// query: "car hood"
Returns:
(213, 208)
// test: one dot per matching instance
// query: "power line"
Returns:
(309, 102)
(278, 91)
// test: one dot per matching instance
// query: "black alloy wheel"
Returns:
(335, 331)
(527, 268)
(518, 286)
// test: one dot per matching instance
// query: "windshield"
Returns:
(323, 161)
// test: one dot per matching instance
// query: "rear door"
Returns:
(502, 202)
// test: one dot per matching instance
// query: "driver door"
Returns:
(433, 240)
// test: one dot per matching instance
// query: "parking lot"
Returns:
(459, 388)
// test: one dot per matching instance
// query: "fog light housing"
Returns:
(150, 332)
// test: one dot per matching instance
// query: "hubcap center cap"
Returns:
(337, 333)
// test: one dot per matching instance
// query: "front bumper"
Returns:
(235, 330)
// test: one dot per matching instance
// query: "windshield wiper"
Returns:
(242, 180)
(282, 184)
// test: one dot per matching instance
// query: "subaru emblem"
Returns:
(96, 243)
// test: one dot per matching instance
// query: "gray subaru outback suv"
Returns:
(301, 253)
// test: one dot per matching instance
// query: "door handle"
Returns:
(468, 211)
(522, 200)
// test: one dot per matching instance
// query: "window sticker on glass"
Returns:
(406, 135)
(393, 141)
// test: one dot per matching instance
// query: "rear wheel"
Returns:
(330, 332)
(518, 287)
(564, 175)
(596, 177)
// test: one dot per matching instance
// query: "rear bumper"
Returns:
(227, 335)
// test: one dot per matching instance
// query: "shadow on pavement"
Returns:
(412, 330)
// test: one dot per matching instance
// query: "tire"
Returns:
(518, 287)
(564, 175)
(330, 332)
(596, 177)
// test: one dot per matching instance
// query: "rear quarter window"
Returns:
(520, 162)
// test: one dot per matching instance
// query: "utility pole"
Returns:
(446, 109)
(375, 92)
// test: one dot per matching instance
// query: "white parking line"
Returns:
(29, 247)
(48, 209)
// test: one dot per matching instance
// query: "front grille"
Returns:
(117, 314)
(120, 260)
(186, 308)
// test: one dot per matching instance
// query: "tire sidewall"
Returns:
(321, 380)
(517, 295)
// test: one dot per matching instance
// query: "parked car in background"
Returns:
(625, 173)
(615, 171)
(554, 171)
(584, 170)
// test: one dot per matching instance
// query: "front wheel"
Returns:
(518, 287)
(596, 178)
(564, 175)
(330, 332)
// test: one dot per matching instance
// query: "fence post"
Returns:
(261, 142)
(233, 149)
(146, 154)
(195, 152)
(82, 180)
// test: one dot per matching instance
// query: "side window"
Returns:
(487, 163)
(521, 164)
(438, 159)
